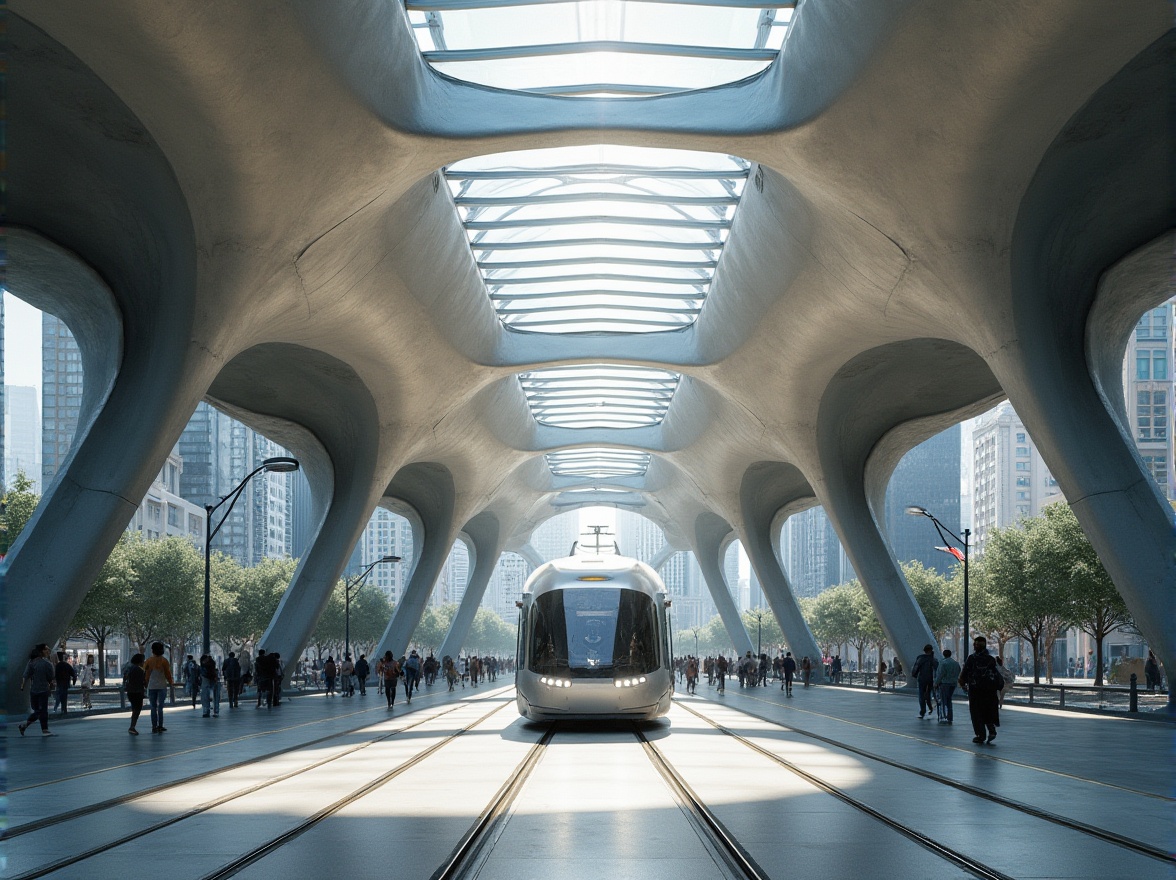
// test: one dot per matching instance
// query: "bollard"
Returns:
(1134, 704)
(1061, 698)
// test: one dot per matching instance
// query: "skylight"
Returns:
(599, 396)
(599, 48)
(598, 463)
(597, 239)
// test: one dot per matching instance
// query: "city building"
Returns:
(928, 476)
(386, 534)
(811, 553)
(22, 430)
(163, 512)
(1149, 391)
(218, 452)
(1010, 481)
(454, 577)
(506, 586)
(554, 538)
(61, 395)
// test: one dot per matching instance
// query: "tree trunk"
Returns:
(1098, 661)
(1035, 647)
(101, 642)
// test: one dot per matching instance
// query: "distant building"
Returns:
(22, 434)
(812, 554)
(1149, 386)
(506, 586)
(1010, 481)
(164, 513)
(454, 578)
(928, 476)
(554, 538)
(387, 534)
(218, 452)
(61, 395)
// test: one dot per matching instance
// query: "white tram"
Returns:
(594, 641)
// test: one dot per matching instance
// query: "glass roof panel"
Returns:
(600, 48)
(599, 396)
(597, 239)
(598, 463)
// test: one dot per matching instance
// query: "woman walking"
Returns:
(389, 673)
(329, 674)
(159, 678)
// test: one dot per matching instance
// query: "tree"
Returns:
(19, 503)
(490, 634)
(870, 627)
(434, 624)
(768, 633)
(253, 597)
(833, 616)
(370, 612)
(327, 637)
(1025, 595)
(101, 612)
(941, 606)
(1094, 605)
(167, 600)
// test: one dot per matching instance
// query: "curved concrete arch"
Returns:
(767, 488)
(318, 408)
(879, 405)
(107, 243)
(1067, 234)
(711, 536)
(429, 489)
(485, 538)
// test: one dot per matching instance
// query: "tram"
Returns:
(594, 641)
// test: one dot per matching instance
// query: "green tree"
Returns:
(1093, 603)
(101, 612)
(370, 612)
(834, 618)
(869, 625)
(434, 624)
(1023, 596)
(19, 503)
(490, 634)
(327, 637)
(252, 597)
(941, 606)
(767, 635)
(167, 600)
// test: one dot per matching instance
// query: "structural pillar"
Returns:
(485, 546)
(710, 531)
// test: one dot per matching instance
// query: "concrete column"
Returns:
(661, 557)
(429, 489)
(485, 546)
(533, 557)
(138, 396)
(710, 532)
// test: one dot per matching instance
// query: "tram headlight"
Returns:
(641, 680)
(617, 684)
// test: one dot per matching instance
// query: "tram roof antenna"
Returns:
(596, 532)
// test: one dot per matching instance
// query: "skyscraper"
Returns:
(812, 554)
(22, 429)
(1149, 388)
(638, 536)
(506, 586)
(218, 452)
(387, 534)
(554, 538)
(928, 476)
(61, 395)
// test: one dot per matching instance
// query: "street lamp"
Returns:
(695, 630)
(759, 631)
(915, 510)
(350, 588)
(278, 465)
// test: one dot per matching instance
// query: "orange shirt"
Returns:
(158, 672)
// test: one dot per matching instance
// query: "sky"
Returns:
(22, 343)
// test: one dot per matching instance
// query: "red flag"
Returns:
(958, 554)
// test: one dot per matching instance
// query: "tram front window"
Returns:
(594, 633)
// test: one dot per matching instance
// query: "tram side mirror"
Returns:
(518, 604)
(669, 602)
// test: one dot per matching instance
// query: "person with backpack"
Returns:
(39, 675)
(691, 674)
(788, 667)
(982, 682)
(209, 686)
(346, 671)
(329, 672)
(924, 673)
(389, 674)
(135, 687)
(412, 674)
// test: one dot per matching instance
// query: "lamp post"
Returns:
(915, 510)
(277, 465)
(350, 588)
(695, 629)
(759, 631)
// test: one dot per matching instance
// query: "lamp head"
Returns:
(280, 465)
(390, 559)
(915, 510)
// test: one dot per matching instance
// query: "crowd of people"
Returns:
(151, 679)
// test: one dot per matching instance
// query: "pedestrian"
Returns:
(1151, 673)
(691, 674)
(835, 668)
(946, 679)
(1008, 678)
(64, 675)
(722, 665)
(135, 686)
(263, 674)
(788, 667)
(329, 672)
(158, 672)
(881, 673)
(40, 676)
(412, 674)
(278, 672)
(806, 670)
(924, 673)
(316, 673)
(346, 686)
(86, 681)
(209, 686)
(450, 667)
(390, 672)
(361, 673)
(763, 670)
(981, 680)
(191, 674)
(231, 670)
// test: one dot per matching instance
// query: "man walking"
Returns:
(231, 669)
(946, 678)
(924, 673)
(981, 680)
(361, 673)
(64, 675)
(412, 674)
(39, 675)
(788, 666)
(209, 685)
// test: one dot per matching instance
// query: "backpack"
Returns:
(986, 679)
(414, 664)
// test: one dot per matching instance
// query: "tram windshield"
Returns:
(594, 633)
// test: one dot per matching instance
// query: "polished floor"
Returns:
(830, 783)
